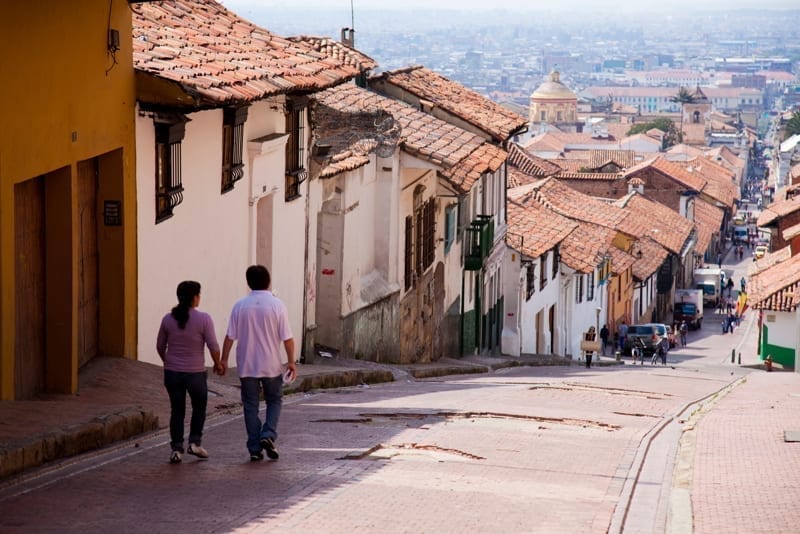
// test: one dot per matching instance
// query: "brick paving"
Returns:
(745, 476)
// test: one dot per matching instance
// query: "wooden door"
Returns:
(29, 366)
(88, 263)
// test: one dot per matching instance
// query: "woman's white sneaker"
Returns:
(197, 450)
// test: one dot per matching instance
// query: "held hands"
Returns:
(220, 368)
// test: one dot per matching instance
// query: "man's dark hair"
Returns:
(258, 278)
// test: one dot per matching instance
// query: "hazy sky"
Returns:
(527, 5)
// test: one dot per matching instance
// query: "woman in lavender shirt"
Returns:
(182, 338)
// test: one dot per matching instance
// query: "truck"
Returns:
(710, 282)
(688, 306)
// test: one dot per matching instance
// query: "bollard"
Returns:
(617, 355)
(733, 355)
(740, 358)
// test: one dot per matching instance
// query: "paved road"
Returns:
(519, 450)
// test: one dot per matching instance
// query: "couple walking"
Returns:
(259, 324)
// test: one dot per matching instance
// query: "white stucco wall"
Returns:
(513, 291)
(540, 301)
(211, 236)
(583, 315)
(782, 332)
(205, 239)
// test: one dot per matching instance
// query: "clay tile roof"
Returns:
(337, 50)
(464, 156)
(708, 220)
(778, 210)
(672, 170)
(545, 142)
(683, 150)
(652, 219)
(791, 232)
(217, 57)
(599, 176)
(636, 181)
(530, 164)
(653, 255)
(621, 261)
(622, 158)
(533, 229)
(775, 288)
(770, 259)
(578, 206)
(479, 111)
(719, 180)
(583, 249)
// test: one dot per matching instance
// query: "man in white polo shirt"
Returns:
(260, 324)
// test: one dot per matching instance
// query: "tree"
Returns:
(793, 124)
(684, 96)
(671, 134)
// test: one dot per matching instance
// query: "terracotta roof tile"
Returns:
(777, 210)
(533, 229)
(652, 219)
(708, 220)
(719, 180)
(483, 113)
(653, 255)
(672, 170)
(338, 51)
(770, 259)
(524, 168)
(583, 249)
(776, 287)
(589, 176)
(622, 158)
(464, 156)
(218, 57)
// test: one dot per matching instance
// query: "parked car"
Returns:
(664, 333)
(759, 252)
(649, 335)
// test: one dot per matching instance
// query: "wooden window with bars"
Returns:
(530, 279)
(420, 235)
(542, 271)
(233, 120)
(555, 263)
(590, 287)
(169, 188)
(579, 288)
(295, 169)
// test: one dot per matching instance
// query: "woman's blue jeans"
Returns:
(252, 388)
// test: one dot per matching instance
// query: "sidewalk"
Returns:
(119, 399)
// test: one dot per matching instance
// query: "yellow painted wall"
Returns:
(63, 100)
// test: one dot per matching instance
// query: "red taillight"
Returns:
(655, 337)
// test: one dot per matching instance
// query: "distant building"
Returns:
(553, 103)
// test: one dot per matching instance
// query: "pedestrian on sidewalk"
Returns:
(260, 325)
(604, 338)
(684, 332)
(719, 260)
(184, 334)
(623, 333)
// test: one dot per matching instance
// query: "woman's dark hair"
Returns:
(187, 291)
(258, 278)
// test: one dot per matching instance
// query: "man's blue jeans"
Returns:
(273, 396)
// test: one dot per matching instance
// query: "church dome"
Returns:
(553, 89)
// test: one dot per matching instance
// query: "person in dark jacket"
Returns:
(604, 338)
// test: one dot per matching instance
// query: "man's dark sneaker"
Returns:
(268, 445)
(256, 456)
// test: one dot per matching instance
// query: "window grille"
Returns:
(542, 271)
(530, 276)
(295, 170)
(232, 146)
(169, 189)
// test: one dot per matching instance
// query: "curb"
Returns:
(76, 439)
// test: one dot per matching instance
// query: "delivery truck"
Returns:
(688, 306)
(710, 282)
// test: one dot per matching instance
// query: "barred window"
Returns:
(542, 271)
(420, 245)
(232, 146)
(530, 279)
(579, 288)
(295, 169)
(169, 189)
(590, 287)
